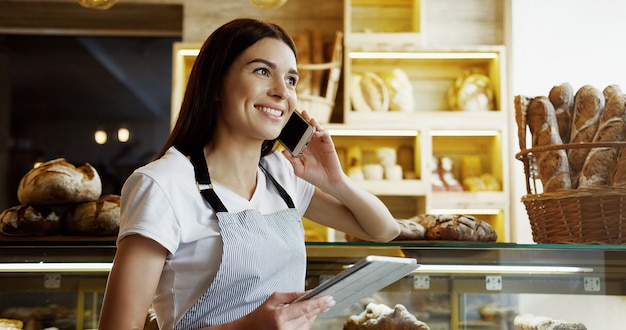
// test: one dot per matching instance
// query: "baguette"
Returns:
(611, 90)
(601, 162)
(562, 98)
(617, 178)
(521, 107)
(588, 105)
(552, 164)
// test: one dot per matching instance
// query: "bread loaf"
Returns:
(588, 105)
(452, 227)
(382, 317)
(457, 227)
(58, 182)
(553, 165)
(95, 218)
(562, 98)
(26, 220)
(600, 162)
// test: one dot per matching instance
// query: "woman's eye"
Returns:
(292, 81)
(263, 71)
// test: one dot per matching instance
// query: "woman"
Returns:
(211, 233)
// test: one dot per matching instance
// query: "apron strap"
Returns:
(202, 177)
(280, 188)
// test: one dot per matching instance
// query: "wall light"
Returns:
(100, 136)
(123, 134)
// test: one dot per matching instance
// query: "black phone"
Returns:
(296, 134)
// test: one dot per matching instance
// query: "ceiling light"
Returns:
(97, 4)
(268, 4)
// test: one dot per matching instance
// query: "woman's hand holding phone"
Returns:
(318, 163)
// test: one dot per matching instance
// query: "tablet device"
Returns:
(364, 278)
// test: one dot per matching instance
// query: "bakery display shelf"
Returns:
(429, 118)
(394, 187)
(72, 240)
(467, 200)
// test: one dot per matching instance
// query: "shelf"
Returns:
(394, 187)
(468, 200)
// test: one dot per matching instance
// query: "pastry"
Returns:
(26, 220)
(382, 317)
(588, 105)
(601, 161)
(562, 98)
(97, 218)
(553, 165)
(58, 182)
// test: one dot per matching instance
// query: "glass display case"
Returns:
(60, 282)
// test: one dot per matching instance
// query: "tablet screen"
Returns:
(364, 278)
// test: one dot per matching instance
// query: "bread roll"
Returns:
(26, 220)
(600, 162)
(58, 182)
(562, 98)
(588, 105)
(96, 218)
(552, 164)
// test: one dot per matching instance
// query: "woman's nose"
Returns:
(279, 89)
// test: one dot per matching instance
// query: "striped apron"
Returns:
(262, 254)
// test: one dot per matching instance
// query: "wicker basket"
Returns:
(589, 216)
(321, 106)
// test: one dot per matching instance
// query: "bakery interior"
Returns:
(67, 71)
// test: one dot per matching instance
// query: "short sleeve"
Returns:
(146, 210)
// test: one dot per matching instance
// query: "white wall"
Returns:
(575, 41)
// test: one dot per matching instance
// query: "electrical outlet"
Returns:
(591, 284)
(52, 281)
(493, 283)
(421, 282)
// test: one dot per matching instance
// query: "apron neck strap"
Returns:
(202, 177)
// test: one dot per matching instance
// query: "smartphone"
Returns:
(296, 134)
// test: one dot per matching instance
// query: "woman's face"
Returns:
(259, 91)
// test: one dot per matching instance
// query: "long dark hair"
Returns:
(196, 121)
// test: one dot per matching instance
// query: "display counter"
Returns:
(61, 281)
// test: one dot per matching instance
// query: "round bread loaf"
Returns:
(58, 182)
(10, 324)
(96, 218)
(26, 220)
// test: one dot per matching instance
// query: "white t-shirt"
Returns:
(161, 201)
